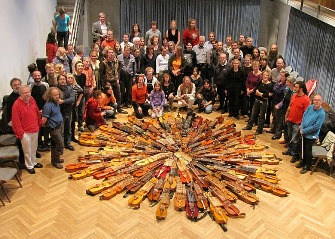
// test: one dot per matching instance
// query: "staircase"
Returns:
(74, 9)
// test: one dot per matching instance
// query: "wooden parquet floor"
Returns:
(51, 206)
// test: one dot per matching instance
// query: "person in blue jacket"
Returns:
(310, 128)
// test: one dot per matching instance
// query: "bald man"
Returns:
(310, 128)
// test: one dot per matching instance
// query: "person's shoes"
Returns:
(70, 147)
(122, 111)
(31, 170)
(270, 131)
(219, 108)
(38, 165)
(42, 148)
(282, 141)
(230, 115)
(237, 117)
(200, 110)
(304, 170)
(57, 165)
(91, 128)
(38, 155)
(267, 126)
(247, 128)
(257, 133)
(61, 161)
(300, 164)
(75, 140)
(81, 129)
(286, 152)
(21, 166)
(275, 137)
(113, 116)
(294, 159)
(126, 106)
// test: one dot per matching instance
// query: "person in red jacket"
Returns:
(94, 115)
(191, 33)
(26, 121)
(51, 47)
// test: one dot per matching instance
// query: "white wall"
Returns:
(25, 26)
(273, 24)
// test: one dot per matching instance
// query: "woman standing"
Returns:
(95, 67)
(62, 23)
(139, 98)
(254, 77)
(135, 32)
(255, 54)
(191, 33)
(51, 47)
(149, 59)
(176, 66)
(81, 80)
(173, 33)
(162, 63)
(157, 99)
(262, 91)
(90, 78)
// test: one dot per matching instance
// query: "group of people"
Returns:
(149, 72)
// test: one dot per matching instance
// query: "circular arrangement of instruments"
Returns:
(192, 164)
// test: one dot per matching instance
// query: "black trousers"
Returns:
(145, 108)
(258, 111)
(125, 88)
(234, 96)
(307, 154)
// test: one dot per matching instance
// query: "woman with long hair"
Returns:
(169, 89)
(139, 98)
(191, 33)
(149, 59)
(176, 66)
(94, 115)
(51, 47)
(197, 79)
(173, 34)
(135, 32)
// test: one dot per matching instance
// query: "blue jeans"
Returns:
(294, 137)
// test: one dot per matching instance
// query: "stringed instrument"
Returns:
(180, 197)
(116, 189)
(98, 188)
(202, 201)
(135, 200)
(217, 210)
(156, 190)
(163, 205)
(192, 210)
(268, 187)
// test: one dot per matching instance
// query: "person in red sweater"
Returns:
(94, 115)
(139, 98)
(191, 33)
(26, 121)
(51, 47)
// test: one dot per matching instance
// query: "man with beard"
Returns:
(38, 88)
(61, 58)
(52, 120)
(248, 48)
(50, 77)
(190, 59)
(273, 56)
(66, 104)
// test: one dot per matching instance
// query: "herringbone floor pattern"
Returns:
(51, 206)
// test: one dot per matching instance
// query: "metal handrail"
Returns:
(75, 21)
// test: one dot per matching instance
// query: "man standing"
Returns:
(38, 88)
(26, 123)
(127, 69)
(126, 42)
(298, 105)
(108, 71)
(66, 104)
(50, 77)
(273, 56)
(201, 55)
(220, 79)
(62, 58)
(100, 28)
(310, 128)
(248, 48)
(52, 120)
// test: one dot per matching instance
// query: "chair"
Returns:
(294, 74)
(7, 174)
(288, 69)
(9, 156)
(300, 78)
(320, 153)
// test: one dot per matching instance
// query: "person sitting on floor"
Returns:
(157, 99)
(185, 93)
(94, 115)
(205, 97)
(107, 102)
(139, 98)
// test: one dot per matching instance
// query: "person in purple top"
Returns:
(157, 100)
